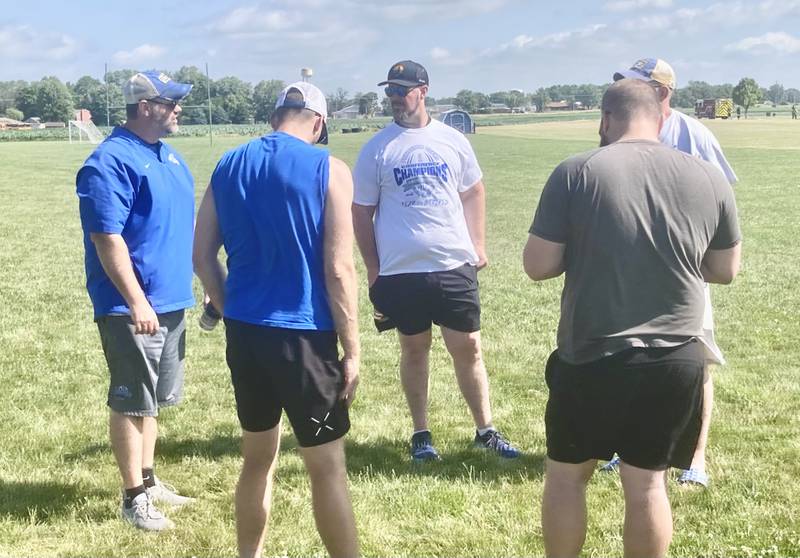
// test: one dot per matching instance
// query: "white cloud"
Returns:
(774, 41)
(426, 9)
(25, 42)
(142, 53)
(551, 40)
(438, 53)
(254, 20)
(630, 5)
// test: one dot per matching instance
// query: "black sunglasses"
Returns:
(399, 90)
(165, 102)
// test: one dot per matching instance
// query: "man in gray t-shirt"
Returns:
(633, 230)
(637, 228)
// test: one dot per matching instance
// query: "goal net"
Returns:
(84, 131)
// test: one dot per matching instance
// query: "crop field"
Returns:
(59, 486)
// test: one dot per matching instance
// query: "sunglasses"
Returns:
(399, 90)
(165, 102)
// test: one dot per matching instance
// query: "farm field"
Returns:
(59, 486)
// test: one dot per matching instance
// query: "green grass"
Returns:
(59, 484)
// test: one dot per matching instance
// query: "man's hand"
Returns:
(351, 379)
(144, 319)
(372, 276)
(483, 261)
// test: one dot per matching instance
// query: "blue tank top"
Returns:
(270, 199)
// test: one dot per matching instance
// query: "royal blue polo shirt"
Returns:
(145, 193)
(270, 199)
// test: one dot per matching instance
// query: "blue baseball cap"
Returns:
(150, 85)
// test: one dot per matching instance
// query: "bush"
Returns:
(14, 113)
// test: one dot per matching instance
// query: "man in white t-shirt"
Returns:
(688, 135)
(419, 217)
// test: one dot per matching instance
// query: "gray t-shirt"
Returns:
(637, 218)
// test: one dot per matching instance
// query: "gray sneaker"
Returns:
(166, 494)
(144, 515)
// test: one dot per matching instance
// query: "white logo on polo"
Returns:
(322, 424)
(147, 165)
(173, 159)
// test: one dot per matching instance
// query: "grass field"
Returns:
(59, 487)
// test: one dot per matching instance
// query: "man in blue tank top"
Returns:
(136, 199)
(281, 208)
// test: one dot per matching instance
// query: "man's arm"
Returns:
(207, 242)
(116, 261)
(365, 236)
(340, 271)
(721, 266)
(474, 203)
(542, 259)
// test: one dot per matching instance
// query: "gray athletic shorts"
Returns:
(146, 370)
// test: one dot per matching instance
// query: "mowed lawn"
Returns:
(59, 486)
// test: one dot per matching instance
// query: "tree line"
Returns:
(234, 101)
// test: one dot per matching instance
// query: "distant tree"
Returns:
(368, 104)
(792, 95)
(90, 93)
(587, 94)
(500, 97)
(16, 114)
(386, 106)
(235, 97)
(482, 100)
(776, 94)
(540, 98)
(724, 91)
(465, 100)
(515, 99)
(338, 100)
(265, 94)
(8, 93)
(430, 101)
(49, 99)
(195, 104)
(746, 93)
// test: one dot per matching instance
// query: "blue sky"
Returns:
(484, 45)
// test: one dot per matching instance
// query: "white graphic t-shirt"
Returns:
(414, 177)
(686, 134)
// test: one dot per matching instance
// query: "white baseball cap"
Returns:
(649, 69)
(313, 99)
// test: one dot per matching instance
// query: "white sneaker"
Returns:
(144, 515)
(166, 494)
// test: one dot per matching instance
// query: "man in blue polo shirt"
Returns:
(136, 199)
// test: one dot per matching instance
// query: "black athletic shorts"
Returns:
(275, 369)
(412, 301)
(645, 404)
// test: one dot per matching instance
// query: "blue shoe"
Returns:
(611, 466)
(495, 442)
(422, 447)
(695, 477)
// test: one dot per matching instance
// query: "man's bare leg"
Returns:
(414, 358)
(254, 491)
(564, 507)
(125, 433)
(465, 349)
(699, 458)
(149, 436)
(333, 511)
(648, 516)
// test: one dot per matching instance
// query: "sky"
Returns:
(483, 45)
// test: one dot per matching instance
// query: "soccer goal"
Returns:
(81, 131)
